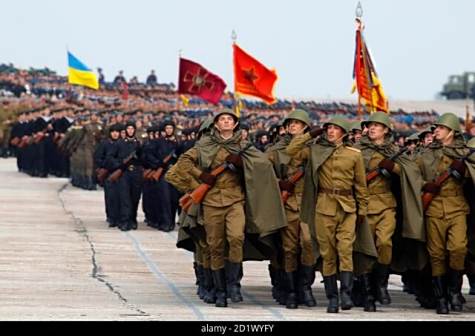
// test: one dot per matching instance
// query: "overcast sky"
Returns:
(416, 44)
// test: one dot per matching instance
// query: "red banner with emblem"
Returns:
(194, 79)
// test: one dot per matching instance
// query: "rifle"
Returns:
(197, 195)
(57, 137)
(15, 141)
(147, 174)
(427, 197)
(284, 194)
(378, 171)
(24, 141)
(156, 174)
(101, 174)
(119, 171)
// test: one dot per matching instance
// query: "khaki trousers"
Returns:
(224, 225)
(446, 235)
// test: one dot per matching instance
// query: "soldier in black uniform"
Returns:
(110, 189)
(167, 151)
(42, 131)
(150, 186)
(126, 156)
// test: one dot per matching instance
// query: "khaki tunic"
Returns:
(296, 234)
(382, 210)
(446, 221)
(335, 216)
(223, 209)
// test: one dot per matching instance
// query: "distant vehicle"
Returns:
(460, 86)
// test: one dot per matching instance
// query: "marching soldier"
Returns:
(167, 151)
(150, 191)
(356, 132)
(383, 162)
(335, 200)
(125, 159)
(223, 205)
(446, 214)
(296, 235)
(110, 189)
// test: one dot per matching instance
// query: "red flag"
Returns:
(367, 82)
(252, 78)
(194, 79)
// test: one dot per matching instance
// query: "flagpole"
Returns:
(359, 15)
(236, 99)
(177, 106)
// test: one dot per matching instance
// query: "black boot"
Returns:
(381, 275)
(200, 282)
(197, 276)
(346, 284)
(307, 277)
(273, 281)
(219, 280)
(454, 290)
(471, 281)
(210, 290)
(357, 293)
(331, 290)
(282, 287)
(291, 301)
(440, 292)
(233, 275)
(368, 298)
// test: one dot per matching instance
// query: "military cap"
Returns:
(130, 123)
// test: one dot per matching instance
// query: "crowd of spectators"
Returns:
(151, 101)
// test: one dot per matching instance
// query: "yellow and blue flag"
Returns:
(80, 74)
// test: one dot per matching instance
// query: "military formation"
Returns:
(341, 199)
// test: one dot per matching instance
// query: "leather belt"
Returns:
(449, 193)
(334, 191)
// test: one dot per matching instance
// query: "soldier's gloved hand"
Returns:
(286, 185)
(235, 160)
(458, 166)
(208, 178)
(431, 187)
(387, 164)
(360, 219)
(316, 131)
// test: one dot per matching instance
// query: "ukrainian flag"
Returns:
(80, 74)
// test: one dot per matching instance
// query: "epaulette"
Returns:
(353, 149)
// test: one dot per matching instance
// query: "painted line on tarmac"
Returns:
(160, 276)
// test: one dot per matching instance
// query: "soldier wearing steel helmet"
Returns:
(248, 181)
(445, 216)
(356, 132)
(296, 236)
(395, 172)
(335, 200)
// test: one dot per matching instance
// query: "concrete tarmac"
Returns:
(60, 261)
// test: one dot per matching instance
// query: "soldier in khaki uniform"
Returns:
(336, 173)
(376, 147)
(297, 234)
(356, 132)
(202, 265)
(223, 205)
(446, 215)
